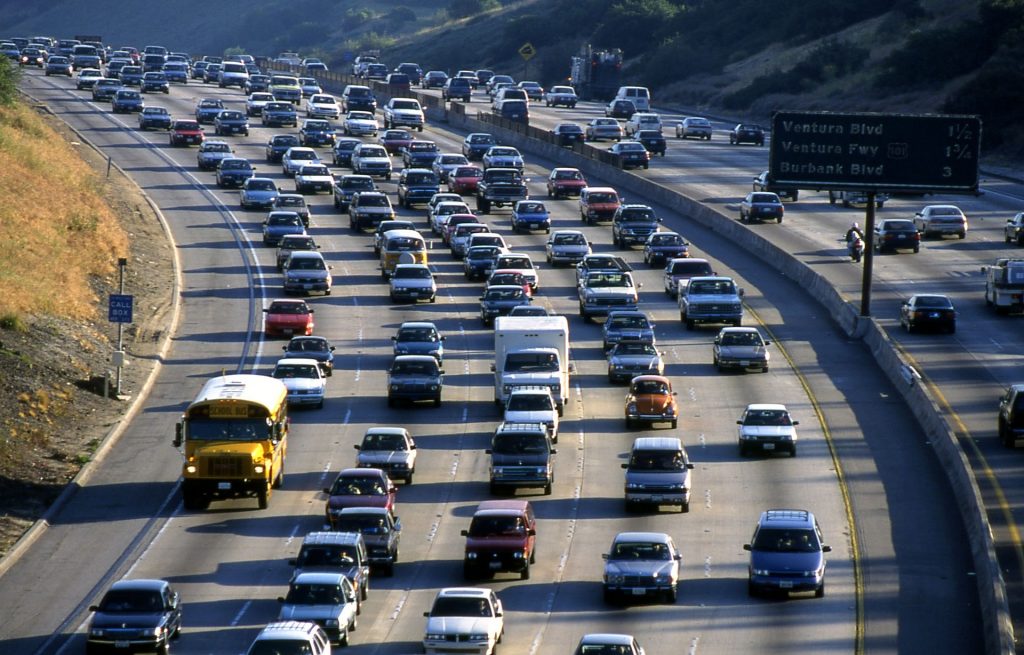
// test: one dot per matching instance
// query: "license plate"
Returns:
(744, 362)
(495, 565)
(786, 584)
(414, 294)
(534, 226)
(307, 287)
(121, 644)
(769, 446)
(657, 499)
(224, 485)
(638, 591)
(933, 315)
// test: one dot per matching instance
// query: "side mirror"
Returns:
(826, 549)
(280, 599)
(689, 465)
(94, 608)
(178, 435)
(356, 446)
(492, 368)
(443, 338)
(746, 546)
(398, 524)
(741, 292)
(624, 465)
(427, 614)
(531, 532)
(488, 451)
(796, 422)
(604, 556)
(293, 562)
(464, 533)
(327, 490)
(739, 422)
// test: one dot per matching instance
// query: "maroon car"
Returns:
(565, 182)
(394, 140)
(360, 487)
(501, 537)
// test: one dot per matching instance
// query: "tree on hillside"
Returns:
(9, 76)
(466, 8)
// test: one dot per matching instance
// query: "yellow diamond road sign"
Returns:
(527, 52)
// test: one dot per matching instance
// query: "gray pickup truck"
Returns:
(498, 187)
(711, 299)
(604, 291)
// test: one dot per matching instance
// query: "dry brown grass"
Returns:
(56, 231)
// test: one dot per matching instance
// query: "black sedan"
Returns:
(279, 144)
(155, 117)
(231, 121)
(896, 234)
(923, 311)
(154, 82)
(653, 140)
(135, 616)
(747, 133)
(566, 134)
(761, 205)
(318, 348)
(630, 154)
(499, 299)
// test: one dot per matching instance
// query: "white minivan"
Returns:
(640, 96)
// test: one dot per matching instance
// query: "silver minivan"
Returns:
(658, 473)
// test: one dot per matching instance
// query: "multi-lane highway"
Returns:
(908, 589)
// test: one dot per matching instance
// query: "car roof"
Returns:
(755, 407)
(786, 518)
(296, 361)
(607, 638)
(738, 330)
(413, 358)
(472, 592)
(659, 537)
(320, 578)
(503, 505)
(142, 584)
(657, 443)
(417, 324)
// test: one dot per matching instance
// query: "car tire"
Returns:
(262, 496)
(525, 573)
(820, 591)
(674, 424)
(671, 595)
(689, 323)
(752, 590)
(742, 449)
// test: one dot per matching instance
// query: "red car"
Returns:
(286, 317)
(186, 132)
(463, 180)
(565, 182)
(394, 140)
(360, 487)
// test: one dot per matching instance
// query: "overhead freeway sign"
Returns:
(923, 153)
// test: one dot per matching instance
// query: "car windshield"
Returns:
(305, 155)
(360, 116)
(651, 388)
(520, 443)
(496, 526)
(216, 147)
(602, 197)
(413, 273)
(318, 126)
(261, 185)
(497, 293)
(529, 402)
(309, 346)
(531, 362)
(288, 200)
(358, 183)
(945, 211)
(372, 152)
(570, 240)
(631, 147)
(741, 339)
(899, 226)
(666, 240)
(712, 287)
(323, 100)
(531, 208)
(776, 540)
(237, 164)
(358, 486)
(288, 308)
(604, 649)
(289, 371)
(417, 334)
(767, 417)
(406, 104)
(690, 268)
(415, 367)
(308, 171)
(373, 200)
(365, 523)
(279, 106)
(326, 556)
(640, 551)
(623, 322)
(461, 606)
(505, 278)
(568, 175)
(132, 600)
(632, 348)
(384, 441)
(314, 594)
(307, 264)
(404, 244)
(764, 197)
(480, 139)
(604, 280)
(397, 135)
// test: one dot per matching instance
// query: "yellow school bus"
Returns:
(234, 437)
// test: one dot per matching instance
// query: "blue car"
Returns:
(787, 554)
(419, 338)
(258, 192)
(127, 101)
(529, 215)
(279, 224)
(208, 108)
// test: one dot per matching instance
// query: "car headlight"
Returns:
(556, 389)
(614, 578)
(395, 387)
(618, 367)
(517, 555)
(497, 473)
(631, 408)
(434, 636)
(153, 632)
(634, 486)
(433, 387)
(761, 572)
(191, 468)
(331, 623)
(258, 469)
(542, 470)
(96, 632)
(670, 411)
(334, 511)
(478, 636)
(471, 555)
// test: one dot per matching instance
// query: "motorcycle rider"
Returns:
(854, 231)
(855, 242)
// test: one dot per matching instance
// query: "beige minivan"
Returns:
(401, 247)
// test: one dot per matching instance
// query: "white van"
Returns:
(640, 96)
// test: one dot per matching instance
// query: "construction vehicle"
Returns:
(1004, 285)
(596, 74)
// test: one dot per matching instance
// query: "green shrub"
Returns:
(9, 76)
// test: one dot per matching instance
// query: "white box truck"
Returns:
(534, 351)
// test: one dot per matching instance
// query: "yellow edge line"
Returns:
(964, 435)
(858, 581)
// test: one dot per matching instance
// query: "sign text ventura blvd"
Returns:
(875, 152)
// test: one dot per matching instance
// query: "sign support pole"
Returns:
(869, 256)
(121, 264)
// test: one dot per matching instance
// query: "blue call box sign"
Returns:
(924, 153)
(119, 308)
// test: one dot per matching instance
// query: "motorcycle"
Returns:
(855, 246)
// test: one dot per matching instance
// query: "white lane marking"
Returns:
(693, 646)
(399, 605)
(348, 415)
(707, 566)
(707, 498)
(324, 474)
(701, 440)
(238, 617)
(291, 537)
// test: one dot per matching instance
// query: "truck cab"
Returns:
(531, 351)
(1004, 285)
(711, 300)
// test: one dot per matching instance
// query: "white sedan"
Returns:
(322, 105)
(360, 123)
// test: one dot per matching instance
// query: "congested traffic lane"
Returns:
(221, 576)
